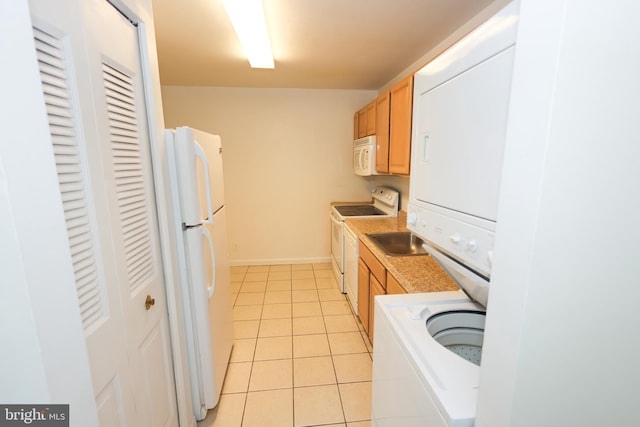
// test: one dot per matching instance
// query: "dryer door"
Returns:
(460, 129)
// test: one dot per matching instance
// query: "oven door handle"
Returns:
(334, 217)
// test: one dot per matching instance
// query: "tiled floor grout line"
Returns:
(293, 394)
(292, 334)
(246, 394)
(335, 372)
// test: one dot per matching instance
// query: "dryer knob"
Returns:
(455, 238)
(472, 246)
(412, 218)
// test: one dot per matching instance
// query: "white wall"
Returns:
(561, 342)
(287, 156)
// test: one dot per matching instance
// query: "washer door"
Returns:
(461, 332)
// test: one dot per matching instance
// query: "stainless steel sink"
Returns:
(401, 243)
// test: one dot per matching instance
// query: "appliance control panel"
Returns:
(386, 195)
(468, 239)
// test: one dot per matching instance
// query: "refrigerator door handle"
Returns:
(207, 181)
(211, 287)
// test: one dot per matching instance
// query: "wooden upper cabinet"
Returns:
(389, 118)
(382, 133)
(371, 118)
(362, 123)
(401, 108)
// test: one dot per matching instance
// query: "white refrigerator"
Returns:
(197, 195)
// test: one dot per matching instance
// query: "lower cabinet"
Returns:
(373, 280)
(374, 290)
(393, 287)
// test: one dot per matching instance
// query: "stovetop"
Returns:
(385, 203)
(358, 210)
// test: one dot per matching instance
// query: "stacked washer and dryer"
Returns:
(429, 346)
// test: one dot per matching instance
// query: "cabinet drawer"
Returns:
(393, 287)
(374, 265)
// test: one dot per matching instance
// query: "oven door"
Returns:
(351, 266)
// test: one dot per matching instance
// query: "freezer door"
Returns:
(199, 160)
(212, 147)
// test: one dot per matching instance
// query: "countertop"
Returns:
(414, 273)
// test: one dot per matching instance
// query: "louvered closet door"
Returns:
(113, 56)
(80, 180)
(88, 57)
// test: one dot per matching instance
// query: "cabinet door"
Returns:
(400, 127)
(363, 294)
(382, 133)
(375, 289)
(393, 287)
(362, 123)
(371, 118)
(355, 126)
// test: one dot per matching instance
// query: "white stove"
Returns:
(384, 204)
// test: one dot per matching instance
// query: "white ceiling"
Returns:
(329, 44)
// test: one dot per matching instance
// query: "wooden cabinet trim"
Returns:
(382, 133)
(363, 294)
(374, 264)
(375, 289)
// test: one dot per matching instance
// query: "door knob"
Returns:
(149, 302)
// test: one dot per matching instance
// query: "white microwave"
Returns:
(364, 156)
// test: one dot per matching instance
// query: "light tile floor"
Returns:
(300, 356)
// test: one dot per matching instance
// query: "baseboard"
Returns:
(280, 261)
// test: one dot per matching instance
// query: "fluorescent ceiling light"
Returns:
(247, 17)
